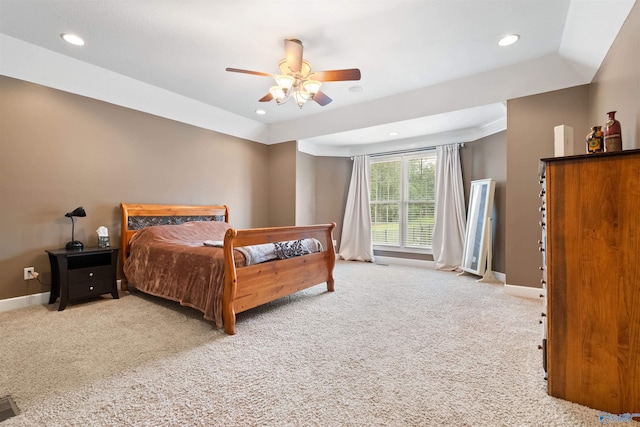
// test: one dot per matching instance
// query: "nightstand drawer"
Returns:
(90, 289)
(84, 275)
(87, 282)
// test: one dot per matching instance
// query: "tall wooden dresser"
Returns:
(591, 246)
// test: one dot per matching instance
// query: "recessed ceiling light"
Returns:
(393, 133)
(508, 40)
(356, 89)
(72, 38)
(261, 112)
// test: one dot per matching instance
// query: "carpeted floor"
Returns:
(393, 346)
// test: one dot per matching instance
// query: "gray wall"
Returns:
(530, 137)
(305, 168)
(282, 184)
(333, 175)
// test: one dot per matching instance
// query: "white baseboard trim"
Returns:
(422, 263)
(29, 300)
(404, 261)
(25, 301)
(523, 291)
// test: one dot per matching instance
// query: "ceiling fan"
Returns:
(296, 79)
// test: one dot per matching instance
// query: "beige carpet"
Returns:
(393, 346)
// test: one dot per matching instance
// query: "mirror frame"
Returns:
(476, 242)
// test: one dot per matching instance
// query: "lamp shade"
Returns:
(76, 212)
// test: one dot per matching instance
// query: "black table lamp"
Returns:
(74, 244)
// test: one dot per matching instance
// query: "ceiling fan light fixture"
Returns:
(310, 88)
(297, 80)
(300, 98)
(285, 82)
(278, 93)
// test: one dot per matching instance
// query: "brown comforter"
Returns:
(171, 261)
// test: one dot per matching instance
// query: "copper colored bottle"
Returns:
(612, 134)
(595, 142)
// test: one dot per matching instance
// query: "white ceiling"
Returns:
(431, 69)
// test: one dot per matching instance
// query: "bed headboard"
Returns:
(136, 216)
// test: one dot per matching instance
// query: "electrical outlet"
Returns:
(28, 273)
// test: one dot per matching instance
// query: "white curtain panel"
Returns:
(356, 242)
(450, 222)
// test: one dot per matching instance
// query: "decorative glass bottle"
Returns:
(595, 140)
(612, 134)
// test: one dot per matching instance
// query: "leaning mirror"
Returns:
(477, 238)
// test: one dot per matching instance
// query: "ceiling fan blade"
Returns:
(293, 54)
(255, 73)
(268, 97)
(322, 99)
(337, 75)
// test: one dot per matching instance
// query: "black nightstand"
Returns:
(80, 275)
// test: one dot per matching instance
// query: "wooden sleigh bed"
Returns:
(215, 280)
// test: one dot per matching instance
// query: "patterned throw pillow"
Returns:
(284, 250)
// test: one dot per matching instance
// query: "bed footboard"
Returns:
(251, 286)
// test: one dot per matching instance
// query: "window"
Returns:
(403, 201)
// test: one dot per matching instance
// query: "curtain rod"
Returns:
(419, 150)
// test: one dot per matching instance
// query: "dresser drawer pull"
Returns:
(91, 274)
(90, 288)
